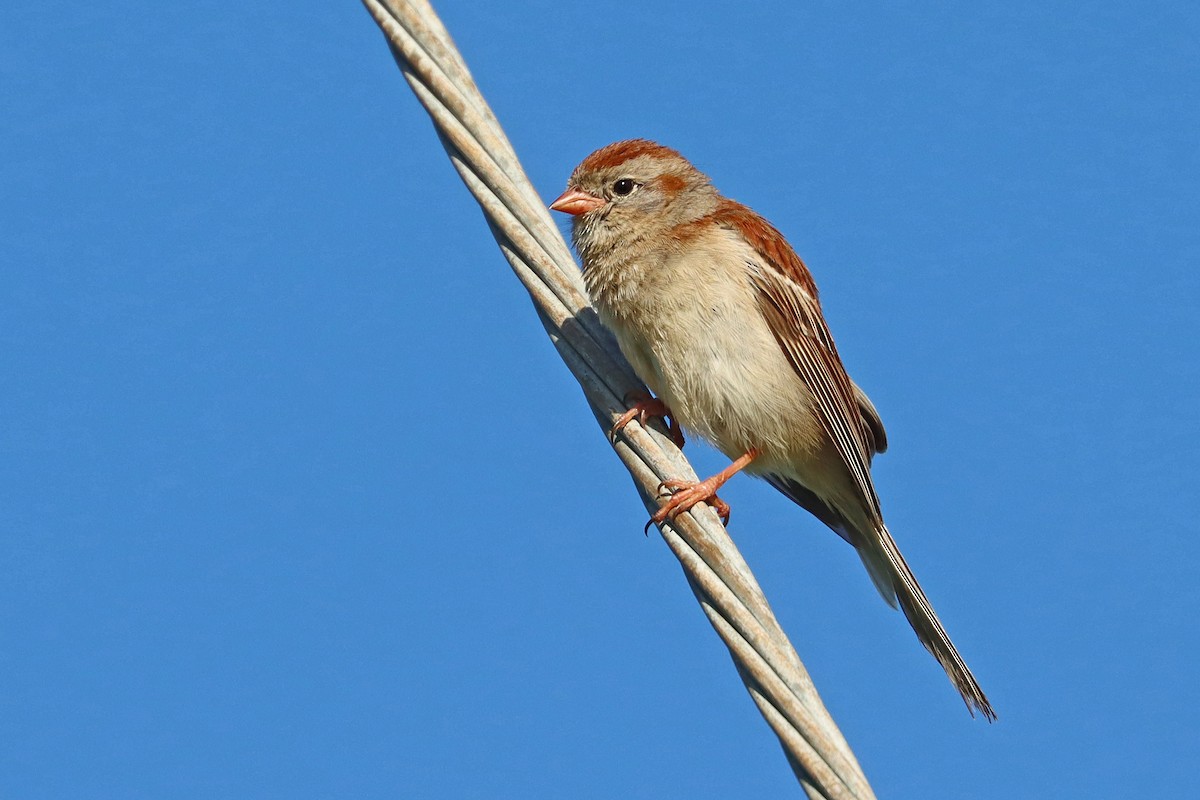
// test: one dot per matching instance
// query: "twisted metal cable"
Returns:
(721, 580)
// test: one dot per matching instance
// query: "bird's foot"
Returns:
(685, 494)
(644, 407)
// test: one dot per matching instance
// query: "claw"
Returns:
(686, 494)
(644, 407)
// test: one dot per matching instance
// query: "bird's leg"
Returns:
(689, 493)
(644, 407)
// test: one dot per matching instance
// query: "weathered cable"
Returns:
(719, 577)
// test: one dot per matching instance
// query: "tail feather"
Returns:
(896, 584)
(880, 571)
(882, 556)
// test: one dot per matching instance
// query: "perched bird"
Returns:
(720, 318)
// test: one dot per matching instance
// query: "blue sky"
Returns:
(297, 500)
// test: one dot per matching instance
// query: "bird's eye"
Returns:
(624, 187)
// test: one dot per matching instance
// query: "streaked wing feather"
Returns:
(788, 298)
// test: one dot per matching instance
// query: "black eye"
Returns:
(624, 187)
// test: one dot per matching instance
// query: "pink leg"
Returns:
(690, 493)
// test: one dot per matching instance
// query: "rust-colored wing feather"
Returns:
(789, 299)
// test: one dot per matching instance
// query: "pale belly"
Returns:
(718, 367)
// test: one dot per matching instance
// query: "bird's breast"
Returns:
(690, 325)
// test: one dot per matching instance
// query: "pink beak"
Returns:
(576, 202)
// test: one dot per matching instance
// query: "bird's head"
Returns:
(631, 190)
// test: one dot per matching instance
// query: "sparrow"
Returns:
(721, 320)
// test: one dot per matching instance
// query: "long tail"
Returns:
(889, 571)
(895, 583)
